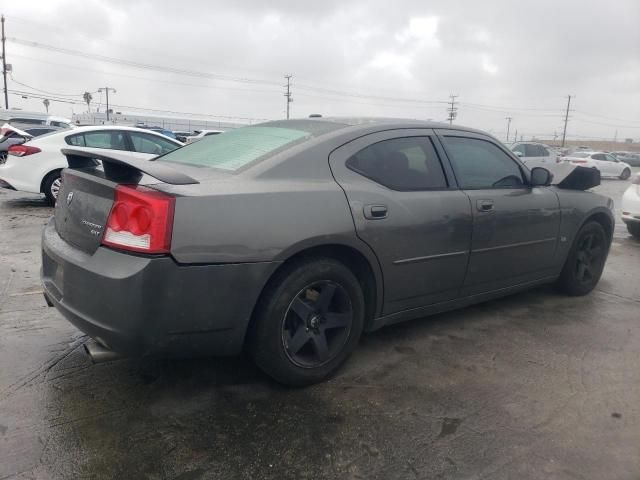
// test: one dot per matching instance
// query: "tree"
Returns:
(87, 98)
(46, 104)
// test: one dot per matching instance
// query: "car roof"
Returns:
(97, 128)
(366, 123)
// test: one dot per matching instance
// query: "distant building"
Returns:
(170, 123)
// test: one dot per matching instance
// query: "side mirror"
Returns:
(519, 154)
(541, 177)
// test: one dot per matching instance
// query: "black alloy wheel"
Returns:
(317, 324)
(584, 265)
(589, 258)
(308, 321)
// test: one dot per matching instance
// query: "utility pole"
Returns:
(4, 67)
(106, 90)
(288, 92)
(453, 110)
(515, 137)
(566, 119)
(508, 126)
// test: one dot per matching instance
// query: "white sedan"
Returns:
(631, 207)
(35, 166)
(608, 165)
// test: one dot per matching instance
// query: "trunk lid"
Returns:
(88, 192)
(82, 209)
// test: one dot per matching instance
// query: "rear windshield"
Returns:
(235, 149)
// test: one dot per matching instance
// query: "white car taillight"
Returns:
(22, 150)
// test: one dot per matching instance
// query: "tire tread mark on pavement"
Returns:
(43, 369)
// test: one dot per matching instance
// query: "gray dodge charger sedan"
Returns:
(291, 238)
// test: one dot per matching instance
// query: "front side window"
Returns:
(480, 164)
(145, 143)
(403, 164)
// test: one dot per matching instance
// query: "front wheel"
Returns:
(626, 173)
(583, 267)
(308, 322)
(634, 229)
(51, 187)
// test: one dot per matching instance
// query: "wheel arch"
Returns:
(604, 218)
(362, 263)
(46, 175)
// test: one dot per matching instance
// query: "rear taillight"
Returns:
(141, 220)
(22, 150)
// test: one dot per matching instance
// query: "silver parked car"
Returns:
(291, 238)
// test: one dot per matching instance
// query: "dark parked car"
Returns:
(291, 238)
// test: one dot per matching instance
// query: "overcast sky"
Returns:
(375, 58)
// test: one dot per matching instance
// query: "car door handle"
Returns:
(375, 212)
(484, 205)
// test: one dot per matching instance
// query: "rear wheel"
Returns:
(626, 173)
(308, 322)
(51, 187)
(634, 229)
(585, 262)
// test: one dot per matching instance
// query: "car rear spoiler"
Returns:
(572, 177)
(122, 168)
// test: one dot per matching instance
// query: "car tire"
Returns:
(626, 173)
(308, 321)
(51, 187)
(584, 265)
(634, 229)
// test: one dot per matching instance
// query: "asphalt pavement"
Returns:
(534, 386)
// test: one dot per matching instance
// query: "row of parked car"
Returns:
(610, 164)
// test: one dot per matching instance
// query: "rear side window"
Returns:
(145, 143)
(114, 140)
(479, 164)
(237, 148)
(402, 164)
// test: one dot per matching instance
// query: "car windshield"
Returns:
(238, 148)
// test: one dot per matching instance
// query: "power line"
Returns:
(131, 63)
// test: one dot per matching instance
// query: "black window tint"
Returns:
(482, 164)
(520, 148)
(77, 140)
(401, 164)
(145, 143)
(544, 152)
(598, 156)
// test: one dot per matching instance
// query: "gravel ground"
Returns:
(537, 385)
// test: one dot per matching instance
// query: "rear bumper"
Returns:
(137, 305)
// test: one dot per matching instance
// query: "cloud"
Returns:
(496, 53)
